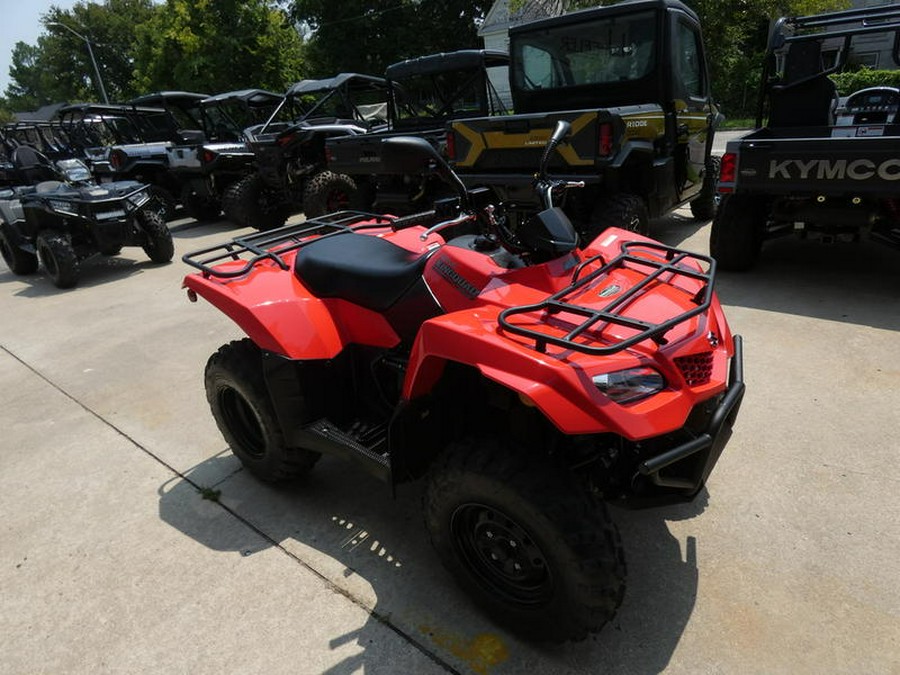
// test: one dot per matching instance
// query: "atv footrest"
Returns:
(364, 444)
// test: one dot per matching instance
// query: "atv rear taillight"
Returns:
(117, 159)
(451, 146)
(728, 173)
(208, 156)
(605, 141)
(286, 140)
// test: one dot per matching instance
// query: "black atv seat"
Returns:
(362, 269)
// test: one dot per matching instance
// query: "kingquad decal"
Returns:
(838, 169)
(444, 268)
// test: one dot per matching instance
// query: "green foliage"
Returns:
(216, 46)
(365, 36)
(849, 82)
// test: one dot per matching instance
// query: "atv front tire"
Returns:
(19, 261)
(159, 247)
(250, 203)
(626, 211)
(243, 411)
(735, 239)
(328, 192)
(59, 259)
(705, 205)
(533, 549)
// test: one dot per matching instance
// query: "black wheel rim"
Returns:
(337, 200)
(503, 557)
(243, 423)
(48, 261)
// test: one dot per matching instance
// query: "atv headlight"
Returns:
(624, 386)
(138, 199)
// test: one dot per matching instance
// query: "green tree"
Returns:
(216, 46)
(367, 35)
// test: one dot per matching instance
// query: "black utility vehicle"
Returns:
(207, 169)
(147, 160)
(290, 156)
(59, 216)
(815, 166)
(632, 80)
(425, 94)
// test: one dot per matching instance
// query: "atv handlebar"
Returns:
(459, 220)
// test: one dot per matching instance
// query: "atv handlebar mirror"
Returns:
(412, 155)
(559, 134)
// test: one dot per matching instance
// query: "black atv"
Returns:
(208, 168)
(59, 217)
(290, 156)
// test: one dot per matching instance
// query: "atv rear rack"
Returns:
(664, 268)
(273, 244)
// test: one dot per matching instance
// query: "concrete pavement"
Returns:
(112, 560)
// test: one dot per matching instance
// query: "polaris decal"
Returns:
(837, 169)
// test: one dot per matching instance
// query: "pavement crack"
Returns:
(383, 620)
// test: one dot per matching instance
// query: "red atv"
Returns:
(528, 379)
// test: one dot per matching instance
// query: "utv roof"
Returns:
(846, 24)
(250, 96)
(158, 97)
(353, 80)
(445, 62)
(627, 7)
(108, 109)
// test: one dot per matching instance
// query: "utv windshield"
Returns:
(602, 51)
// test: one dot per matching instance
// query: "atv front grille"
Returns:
(696, 368)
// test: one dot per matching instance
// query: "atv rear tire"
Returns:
(240, 403)
(328, 192)
(533, 549)
(19, 261)
(626, 211)
(59, 259)
(736, 236)
(705, 205)
(250, 203)
(159, 247)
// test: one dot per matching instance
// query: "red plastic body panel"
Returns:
(278, 313)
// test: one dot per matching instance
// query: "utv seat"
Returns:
(33, 166)
(362, 269)
(807, 98)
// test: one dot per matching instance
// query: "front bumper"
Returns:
(691, 462)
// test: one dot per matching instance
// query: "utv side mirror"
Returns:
(413, 155)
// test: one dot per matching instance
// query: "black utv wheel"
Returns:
(19, 261)
(535, 551)
(626, 211)
(200, 207)
(705, 205)
(250, 203)
(159, 247)
(735, 239)
(243, 411)
(58, 258)
(164, 202)
(328, 192)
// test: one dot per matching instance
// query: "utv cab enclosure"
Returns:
(632, 80)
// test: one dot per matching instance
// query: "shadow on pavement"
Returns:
(95, 271)
(345, 527)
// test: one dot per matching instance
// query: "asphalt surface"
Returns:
(113, 561)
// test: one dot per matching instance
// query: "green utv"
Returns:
(632, 81)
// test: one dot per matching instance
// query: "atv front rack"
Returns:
(666, 267)
(273, 244)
